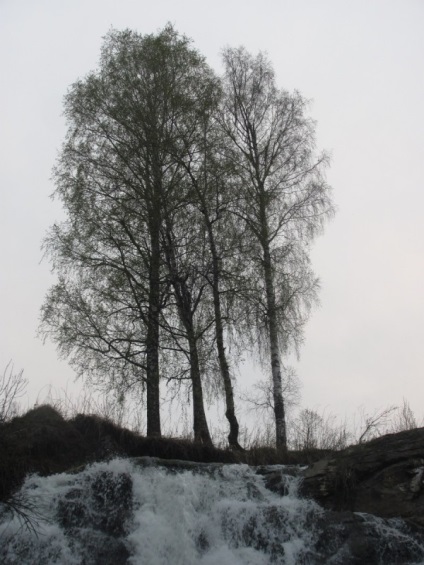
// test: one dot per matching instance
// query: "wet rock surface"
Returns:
(93, 512)
(105, 504)
(96, 517)
(348, 538)
(338, 537)
(384, 477)
(104, 514)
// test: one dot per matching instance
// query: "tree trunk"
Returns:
(280, 420)
(219, 333)
(200, 425)
(184, 305)
(279, 412)
(152, 339)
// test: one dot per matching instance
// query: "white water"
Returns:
(221, 516)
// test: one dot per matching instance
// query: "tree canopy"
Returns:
(190, 200)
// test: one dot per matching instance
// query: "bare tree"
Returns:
(283, 199)
(375, 423)
(312, 430)
(260, 399)
(12, 387)
(404, 418)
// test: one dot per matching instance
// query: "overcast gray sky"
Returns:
(361, 65)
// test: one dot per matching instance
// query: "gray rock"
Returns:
(384, 477)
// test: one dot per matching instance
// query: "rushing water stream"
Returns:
(139, 513)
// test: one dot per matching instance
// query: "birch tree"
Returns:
(119, 170)
(283, 198)
(210, 178)
(184, 254)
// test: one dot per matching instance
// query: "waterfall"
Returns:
(142, 512)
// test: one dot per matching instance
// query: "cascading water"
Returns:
(141, 512)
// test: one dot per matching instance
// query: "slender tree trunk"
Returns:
(152, 337)
(230, 413)
(200, 425)
(279, 411)
(184, 305)
(222, 357)
(280, 420)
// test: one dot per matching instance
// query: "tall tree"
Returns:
(119, 170)
(283, 198)
(209, 176)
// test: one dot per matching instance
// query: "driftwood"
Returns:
(384, 477)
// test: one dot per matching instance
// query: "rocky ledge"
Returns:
(384, 477)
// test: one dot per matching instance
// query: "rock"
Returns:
(277, 477)
(104, 505)
(177, 465)
(112, 501)
(96, 517)
(347, 538)
(384, 477)
(102, 550)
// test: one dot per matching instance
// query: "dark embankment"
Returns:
(384, 477)
(42, 441)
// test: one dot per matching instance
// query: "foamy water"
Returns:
(218, 516)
